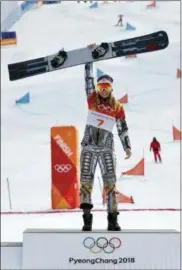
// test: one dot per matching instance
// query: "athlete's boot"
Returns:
(112, 222)
(87, 219)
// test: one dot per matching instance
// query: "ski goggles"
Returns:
(104, 86)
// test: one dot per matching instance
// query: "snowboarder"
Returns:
(155, 146)
(98, 146)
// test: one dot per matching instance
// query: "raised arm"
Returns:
(89, 80)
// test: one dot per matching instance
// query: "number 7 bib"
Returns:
(100, 120)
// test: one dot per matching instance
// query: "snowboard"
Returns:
(92, 53)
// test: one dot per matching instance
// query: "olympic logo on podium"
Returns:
(102, 244)
(63, 168)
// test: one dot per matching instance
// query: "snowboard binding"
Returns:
(59, 59)
(100, 50)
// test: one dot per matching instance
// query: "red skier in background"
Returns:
(155, 146)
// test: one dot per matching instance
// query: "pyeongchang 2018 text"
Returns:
(123, 260)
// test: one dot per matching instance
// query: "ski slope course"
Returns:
(58, 98)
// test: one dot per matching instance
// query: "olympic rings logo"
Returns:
(108, 109)
(96, 246)
(63, 168)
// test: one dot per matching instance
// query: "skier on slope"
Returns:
(155, 146)
(98, 146)
(120, 20)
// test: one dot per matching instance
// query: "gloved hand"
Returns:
(128, 153)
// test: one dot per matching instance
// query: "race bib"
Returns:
(100, 120)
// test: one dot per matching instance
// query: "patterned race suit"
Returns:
(98, 146)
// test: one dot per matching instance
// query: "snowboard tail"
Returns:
(28, 68)
(142, 44)
(148, 43)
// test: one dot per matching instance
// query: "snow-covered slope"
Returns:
(58, 98)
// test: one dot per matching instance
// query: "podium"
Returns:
(128, 249)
